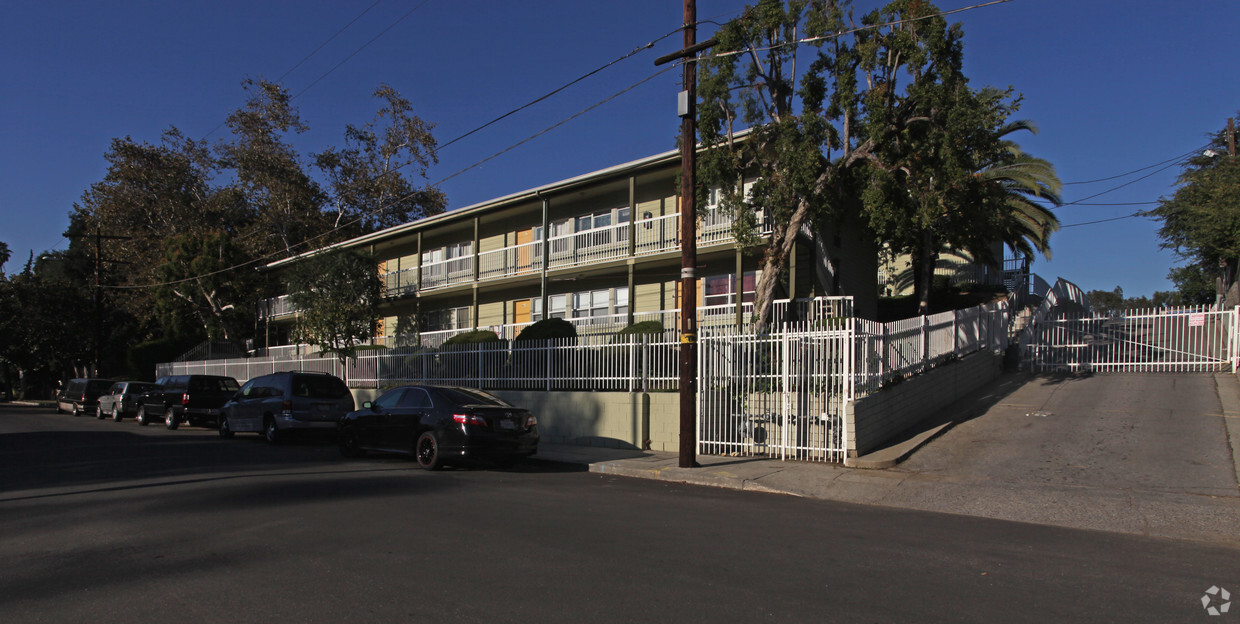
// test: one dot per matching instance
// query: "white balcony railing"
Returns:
(649, 236)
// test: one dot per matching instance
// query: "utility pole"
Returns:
(687, 109)
(97, 299)
(1231, 136)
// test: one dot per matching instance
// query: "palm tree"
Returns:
(1025, 180)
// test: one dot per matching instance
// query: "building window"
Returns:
(720, 290)
(446, 319)
(599, 306)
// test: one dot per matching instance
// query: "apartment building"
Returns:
(601, 250)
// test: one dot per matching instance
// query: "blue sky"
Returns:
(1114, 85)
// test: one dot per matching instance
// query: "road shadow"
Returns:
(102, 454)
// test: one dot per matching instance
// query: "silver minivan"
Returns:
(277, 404)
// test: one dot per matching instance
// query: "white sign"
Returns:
(1196, 320)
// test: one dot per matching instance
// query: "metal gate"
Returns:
(1192, 339)
(778, 395)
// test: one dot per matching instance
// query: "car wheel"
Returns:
(143, 419)
(99, 412)
(348, 443)
(116, 414)
(170, 419)
(426, 451)
(271, 432)
(225, 430)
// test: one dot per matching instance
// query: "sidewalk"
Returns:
(1154, 511)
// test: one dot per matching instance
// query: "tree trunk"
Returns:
(773, 263)
(1227, 287)
(926, 259)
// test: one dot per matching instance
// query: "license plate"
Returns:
(507, 424)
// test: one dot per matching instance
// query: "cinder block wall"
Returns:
(877, 418)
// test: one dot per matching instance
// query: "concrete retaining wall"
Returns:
(878, 418)
(611, 419)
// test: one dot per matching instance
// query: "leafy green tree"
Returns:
(5, 254)
(1194, 285)
(46, 336)
(369, 178)
(1201, 220)
(337, 295)
(205, 275)
(883, 124)
(1106, 302)
(286, 202)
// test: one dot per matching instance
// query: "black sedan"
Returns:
(440, 424)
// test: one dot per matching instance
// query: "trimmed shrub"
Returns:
(548, 329)
(473, 337)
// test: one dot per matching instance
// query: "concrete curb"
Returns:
(892, 455)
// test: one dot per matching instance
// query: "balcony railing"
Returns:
(649, 236)
(276, 307)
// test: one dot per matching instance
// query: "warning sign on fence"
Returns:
(1196, 320)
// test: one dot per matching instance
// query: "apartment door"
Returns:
(521, 311)
(525, 251)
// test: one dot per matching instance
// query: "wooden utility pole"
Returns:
(1231, 136)
(687, 109)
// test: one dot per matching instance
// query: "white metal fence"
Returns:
(887, 351)
(778, 395)
(781, 394)
(1188, 339)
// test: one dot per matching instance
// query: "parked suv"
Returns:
(81, 396)
(194, 399)
(121, 399)
(276, 404)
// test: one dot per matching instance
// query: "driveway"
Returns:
(1136, 453)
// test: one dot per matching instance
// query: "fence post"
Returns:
(547, 370)
(1235, 330)
(925, 343)
(955, 332)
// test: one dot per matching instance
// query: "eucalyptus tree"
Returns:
(874, 118)
(370, 178)
(286, 202)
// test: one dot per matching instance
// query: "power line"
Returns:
(376, 211)
(1126, 174)
(850, 31)
(364, 46)
(561, 88)
(1135, 214)
(312, 53)
(329, 40)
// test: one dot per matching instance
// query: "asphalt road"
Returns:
(113, 522)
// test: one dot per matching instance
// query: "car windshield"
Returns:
(470, 396)
(213, 384)
(319, 387)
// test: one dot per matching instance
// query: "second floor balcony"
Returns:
(643, 237)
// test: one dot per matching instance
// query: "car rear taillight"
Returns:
(185, 399)
(470, 419)
(530, 421)
(287, 406)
